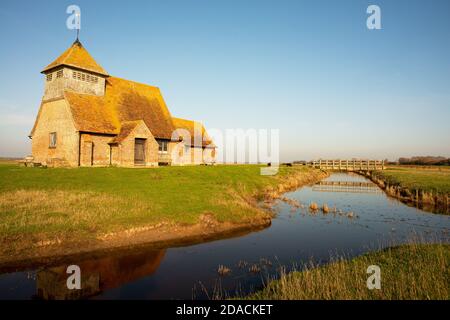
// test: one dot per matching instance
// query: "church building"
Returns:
(89, 118)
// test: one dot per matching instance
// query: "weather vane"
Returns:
(78, 16)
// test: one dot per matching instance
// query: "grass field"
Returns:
(416, 178)
(92, 201)
(415, 271)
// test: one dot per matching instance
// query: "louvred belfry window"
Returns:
(84, 77)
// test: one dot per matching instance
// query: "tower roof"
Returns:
(78, 57)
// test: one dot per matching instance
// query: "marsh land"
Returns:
(104, 207)
(409, 272)
(142, 223)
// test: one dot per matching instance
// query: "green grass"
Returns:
(90, 201)
(415, 271)
(437, 181)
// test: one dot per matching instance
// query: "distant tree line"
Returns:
(427, 160)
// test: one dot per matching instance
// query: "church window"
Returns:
(162, 146)
(52, 143)
(59, 74)
(49, 77)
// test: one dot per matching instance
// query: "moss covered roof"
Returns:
(90, 114)
(124, 103)
(137, 101)
(125, 130)
(196, 130)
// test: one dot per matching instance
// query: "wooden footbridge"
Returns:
(349, 165)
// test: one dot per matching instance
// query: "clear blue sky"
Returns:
(309, 68)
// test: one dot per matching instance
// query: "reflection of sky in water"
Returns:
(295, 237)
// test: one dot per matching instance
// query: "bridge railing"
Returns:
(349, 165)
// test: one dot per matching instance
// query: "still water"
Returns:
(365, 219)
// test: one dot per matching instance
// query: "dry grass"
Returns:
(58, 212)
(13, 161)
(242, 207)
(414, 271)
(223, 270)
(93, 202)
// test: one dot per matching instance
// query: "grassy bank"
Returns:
(414, 184)
(427, 187)
(415, 271)
(416, 178)
(88, 202)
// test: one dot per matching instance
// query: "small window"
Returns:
(59, 74)
(52, 140)
(162, 146)
(74, 74)
(49, 76)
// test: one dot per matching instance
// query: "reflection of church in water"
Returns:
(97, 275)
